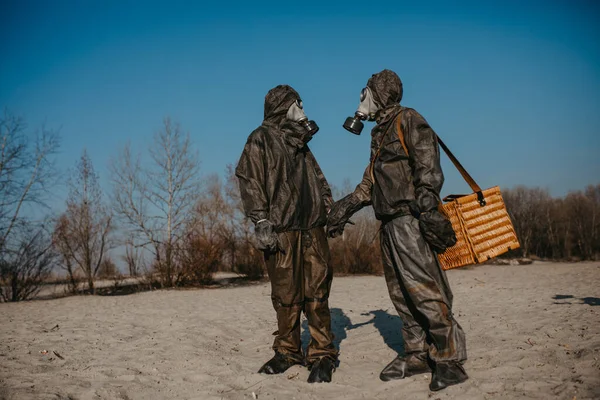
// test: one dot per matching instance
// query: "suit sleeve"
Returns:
(250, 172)
(362, 192)
(424, 157)
(325, 189)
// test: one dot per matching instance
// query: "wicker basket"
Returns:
(482, 231)
(480, 221)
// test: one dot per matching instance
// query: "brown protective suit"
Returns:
(281, 181)
(300, 281)
(400, 187)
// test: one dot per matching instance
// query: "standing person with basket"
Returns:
(402, 182)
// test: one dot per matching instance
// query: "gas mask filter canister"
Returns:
(366, 111)
(296, 113)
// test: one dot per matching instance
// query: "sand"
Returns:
(533, 332)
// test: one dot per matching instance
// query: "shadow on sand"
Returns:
(590, 301)
(388, 325)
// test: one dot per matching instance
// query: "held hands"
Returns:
(339, 216)
(336, 230)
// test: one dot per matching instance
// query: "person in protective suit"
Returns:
(403, 183)
(287, 197)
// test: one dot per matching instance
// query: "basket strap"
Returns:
(470, 181)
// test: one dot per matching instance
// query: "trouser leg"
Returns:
(420, 292)
(318, 276)
(413, 335)
(285, 273)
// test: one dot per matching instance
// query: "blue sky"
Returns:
(512, 87)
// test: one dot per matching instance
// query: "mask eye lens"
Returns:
(363, 94)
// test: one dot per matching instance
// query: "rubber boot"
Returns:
(321, 370)
(447, 374)
(278, 364)
(402, 367)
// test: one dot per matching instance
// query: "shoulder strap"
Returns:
(400, 133)
(372, 165)
(470, 181)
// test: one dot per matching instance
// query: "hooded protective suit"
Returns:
(280, 181)
(400, 187)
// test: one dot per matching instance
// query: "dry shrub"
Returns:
(556, 228)
(24, 271)
(250, 262)
(108, 269)
(200, 258)
(357, 251)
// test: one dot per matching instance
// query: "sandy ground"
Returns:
(533, 332)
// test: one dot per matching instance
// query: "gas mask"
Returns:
(366, 111)
(296, 113)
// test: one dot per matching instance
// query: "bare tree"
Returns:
(556, 227)
(87, 237)
(526, 207)
(592, 193)
(236, 221)
(244, 258)
(582, 215)
(155, 202)
(26, 173)
(207, 234)
(132, 257)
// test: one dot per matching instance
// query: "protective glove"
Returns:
(266, 237)
(336, 230)
(340, 214)
(437, 230)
